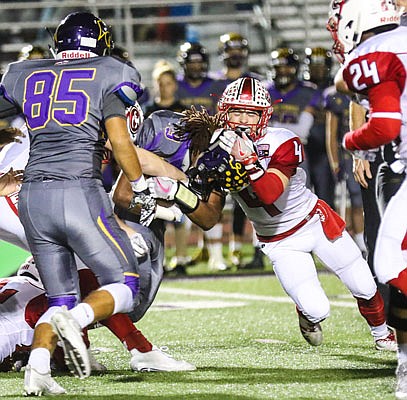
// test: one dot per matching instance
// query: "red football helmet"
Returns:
(248, 94)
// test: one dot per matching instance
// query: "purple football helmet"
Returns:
(85, 32)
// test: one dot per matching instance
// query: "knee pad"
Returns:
(397, 316)
(122, 296)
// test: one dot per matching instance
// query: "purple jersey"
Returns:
(157, 135)
(65, 104)
(205, 95)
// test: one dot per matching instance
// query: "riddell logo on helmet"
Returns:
(393, 18)
(74, 54)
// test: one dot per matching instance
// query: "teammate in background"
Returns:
(290, 221)
(196, 89)
(60, 216)
(375, 66)
(337, 123)
(318, 62)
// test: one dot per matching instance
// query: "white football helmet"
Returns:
(29, 270)
(349, 19)
(250, 94)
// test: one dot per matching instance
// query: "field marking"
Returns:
(239, 296)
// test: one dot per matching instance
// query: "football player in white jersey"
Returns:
(291, 223)
(367, 37)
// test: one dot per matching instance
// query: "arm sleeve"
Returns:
(384, 123)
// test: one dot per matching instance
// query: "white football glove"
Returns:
(162, 187)
(171, 214)
(243, 150)
(138, 244)
(225, 137)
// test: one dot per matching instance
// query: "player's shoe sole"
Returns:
(70, 335)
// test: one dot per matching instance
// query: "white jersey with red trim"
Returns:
(13, 155)
(21, 305)
(381, 61)
(280, 149)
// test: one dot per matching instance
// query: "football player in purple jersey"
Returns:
(71, 104)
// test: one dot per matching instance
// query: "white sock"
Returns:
(215, 251)
(402, 353)
(379, 332)
(83, 313)
(40, 360)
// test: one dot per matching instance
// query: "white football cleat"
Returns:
(37, 384)
(388, 343)
(157, 360)
(311, 332)
(70, 334)
(401, 382)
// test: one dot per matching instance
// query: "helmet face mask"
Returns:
(247, 95)
(317, 65)
(233, 50)
(82, 35)
(283, 66)
(194, 60)
(349, 19)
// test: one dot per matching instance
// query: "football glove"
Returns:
(147, 204)
(243, 150)
(225, 139)
(138, 244)
(170, 189)
(162, 187)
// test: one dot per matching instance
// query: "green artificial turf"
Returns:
(242, 334)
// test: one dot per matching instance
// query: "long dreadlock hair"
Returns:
(198, 127)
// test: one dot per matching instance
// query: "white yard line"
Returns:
(243, 296)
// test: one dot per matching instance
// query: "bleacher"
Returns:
(150, 31)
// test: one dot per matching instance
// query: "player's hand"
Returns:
(147, 203)
(9, 135)
(226, 139)
(361, 171)
(243, 150)
(138, 244)
(10, 182)
(162, 187)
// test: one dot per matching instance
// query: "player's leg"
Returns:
(344, 258)
(296, 271)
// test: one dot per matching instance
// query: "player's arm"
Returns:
(331, 132)
(384, 123)
(122, 147)
(382, 84)
(269, 184)
(203, 213)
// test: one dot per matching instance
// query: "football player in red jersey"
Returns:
(368, 38)
(290, 221)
